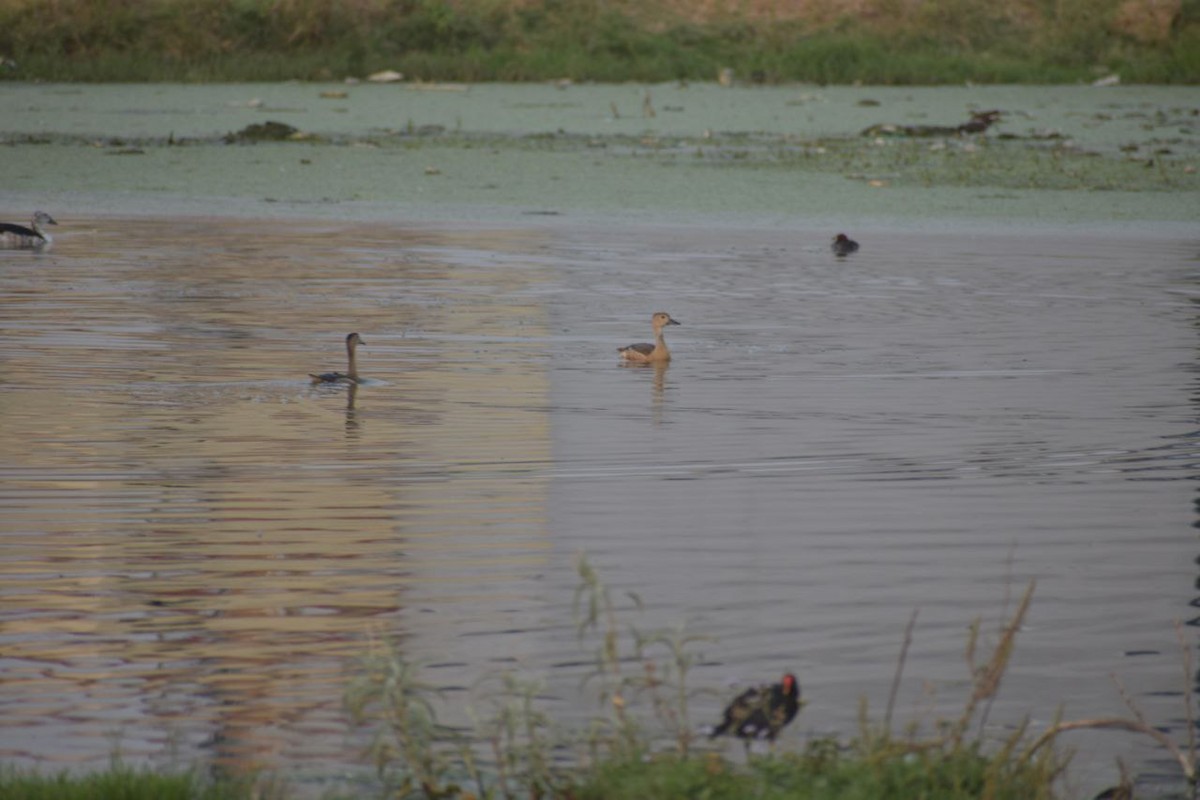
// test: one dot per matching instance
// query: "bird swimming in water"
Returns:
(762, 711)
(353, 340)
(647, 352)
(843, 245)
(18, 237)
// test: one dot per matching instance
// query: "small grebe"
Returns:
(353, 340)
(18, 237)
(843, 245)
(646, 352)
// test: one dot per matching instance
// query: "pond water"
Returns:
(197, 543)
(999, 388)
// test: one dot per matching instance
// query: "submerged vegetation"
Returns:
(826, 41)
(645, 744)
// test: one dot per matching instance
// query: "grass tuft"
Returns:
(119, 782)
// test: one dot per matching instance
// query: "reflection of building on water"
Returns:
(230, 548)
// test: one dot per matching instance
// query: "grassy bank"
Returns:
(644, 743)
(826, 41)
(120, 782)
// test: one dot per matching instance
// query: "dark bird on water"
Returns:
(843, 245)
(353, 340)
(761, 712)
(18, 237)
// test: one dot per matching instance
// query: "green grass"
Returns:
(118, 782)
(820, 773)
(495, 40)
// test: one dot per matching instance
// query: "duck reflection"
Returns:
(660, 382)
(352, 423)
(657, 385)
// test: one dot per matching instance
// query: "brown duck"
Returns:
(650, 352)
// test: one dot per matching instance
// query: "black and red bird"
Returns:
(761, 712)
(843, 245)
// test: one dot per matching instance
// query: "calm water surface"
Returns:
(197, 543)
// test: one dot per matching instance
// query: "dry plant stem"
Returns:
(891, 704)
(473, 771)
(1139, 724)
(501, 762)
(1114, 723)
(667, 684)
(988, 677)
(1188, 764)
(600, 611)
(1188, 694)
(1008, 580)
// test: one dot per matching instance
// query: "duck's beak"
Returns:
(672, 322)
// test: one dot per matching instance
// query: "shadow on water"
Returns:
(197, 542)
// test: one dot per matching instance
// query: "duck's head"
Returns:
(42, 218)
(791, 686)
(353, 340)
(661, 319)
(841, 238)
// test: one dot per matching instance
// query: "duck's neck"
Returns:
(41, 232)
(352, 370)
(660, 343)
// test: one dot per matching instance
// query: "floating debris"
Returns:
(269, 131)
(980, 121)
(334, 95)
(386, 76)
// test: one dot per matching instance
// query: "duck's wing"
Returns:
(19, 230)
(327, 377)
(645, 348)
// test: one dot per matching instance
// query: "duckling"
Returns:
(18, 237)
(645, 352)
(843, 245)
(353, 340)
